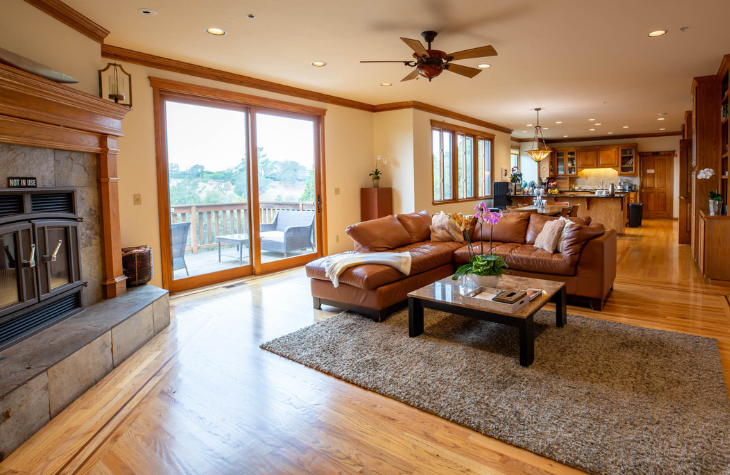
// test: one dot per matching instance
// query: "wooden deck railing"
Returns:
(210, 220)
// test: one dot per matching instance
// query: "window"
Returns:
(462, 163)
(515, 159)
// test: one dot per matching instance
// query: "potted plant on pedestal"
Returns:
(376, 174)
(484, 270)
(715, 197)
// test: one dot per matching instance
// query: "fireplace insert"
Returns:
(40, 261)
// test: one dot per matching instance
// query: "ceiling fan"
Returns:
(430, 63)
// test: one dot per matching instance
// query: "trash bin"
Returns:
(635, 211)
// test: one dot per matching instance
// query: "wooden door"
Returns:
(656, 184)
(685, 191)
(587, 158)
(608, 157)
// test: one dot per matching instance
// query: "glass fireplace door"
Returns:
(17, 269)
(58, 259)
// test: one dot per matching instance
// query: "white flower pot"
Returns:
(491, 281)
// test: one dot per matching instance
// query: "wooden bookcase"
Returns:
(722, 170)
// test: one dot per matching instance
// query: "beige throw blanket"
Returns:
(337, 264)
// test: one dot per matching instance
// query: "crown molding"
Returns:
(158, 62)
(422, 106)
(65, 14)
(609, 137)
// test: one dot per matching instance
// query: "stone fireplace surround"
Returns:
(65, 137)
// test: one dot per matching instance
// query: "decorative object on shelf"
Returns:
(484, 270)
(114, 86)
(33, 67)
(538, 153)
(724, 110)
(377, 173)
(137, 264)
(715, 197)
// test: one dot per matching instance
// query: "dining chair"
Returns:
(574, 211)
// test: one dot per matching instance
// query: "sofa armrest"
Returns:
(597, 265)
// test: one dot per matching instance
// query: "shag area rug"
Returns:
(603, 397)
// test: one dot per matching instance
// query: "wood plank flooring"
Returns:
(203, 398)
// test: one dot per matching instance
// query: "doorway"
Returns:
(239, 186)
(657, 182)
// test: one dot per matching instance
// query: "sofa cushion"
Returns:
(523, 257)
(443, 229)
(367, 276)
(537, 221)
(461, 255)
(429, 255)
(512, 227)
(382, 234)
(575, 238)
(418, 225)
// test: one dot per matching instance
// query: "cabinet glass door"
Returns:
(571, 163)
(627, 160)
(560, 162)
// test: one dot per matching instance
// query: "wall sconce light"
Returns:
(115, 84)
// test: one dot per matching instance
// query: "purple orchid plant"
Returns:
(491, 264)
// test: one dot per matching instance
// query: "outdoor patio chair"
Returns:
(290, 231)
(179, 239)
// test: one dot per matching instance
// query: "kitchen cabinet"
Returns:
(559, 162)
(587, 157)
(608, 157)
(571, 162)
(628, 160)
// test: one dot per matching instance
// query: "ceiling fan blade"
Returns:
(412, 75)
(463, 70)
(385, 61)
(481, 52)
(416, 46)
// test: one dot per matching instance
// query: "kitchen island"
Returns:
(607, 210)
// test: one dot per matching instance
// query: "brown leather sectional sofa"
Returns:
(587, 262)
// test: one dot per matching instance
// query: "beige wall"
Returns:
(394, 140)
(29, 32)
(422, 161)
(348, 160)
(648, 144)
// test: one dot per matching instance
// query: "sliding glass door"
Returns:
(229, 216)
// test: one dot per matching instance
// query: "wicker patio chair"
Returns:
(179, 239)
(290, 231)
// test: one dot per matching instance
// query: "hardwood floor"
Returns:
(203, 398)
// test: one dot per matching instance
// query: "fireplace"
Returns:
(40, 260)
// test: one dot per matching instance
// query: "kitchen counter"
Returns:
(607, 210)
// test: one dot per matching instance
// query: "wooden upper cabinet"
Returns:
(628, 160)
(588, 158)
(608, 157)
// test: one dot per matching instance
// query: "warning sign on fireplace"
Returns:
(22, 182)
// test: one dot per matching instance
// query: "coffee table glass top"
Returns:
(453, 292)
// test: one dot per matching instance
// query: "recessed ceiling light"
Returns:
(558, 122)
(545, 128)
(591, 130)
(216, 31)
(319, 64)
(529, 125)
(591, 119)
(626, 126)
(610, 133)
(484, 66)
(386, 84)
(656, 33)
(564, 135)
(250, 16)
(524, 131)
(596, 123)
(663, 128)
(660, 118)
(147, 11)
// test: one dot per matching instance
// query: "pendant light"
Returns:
(538, 153)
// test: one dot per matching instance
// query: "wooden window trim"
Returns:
(476, 136)
(164, 90)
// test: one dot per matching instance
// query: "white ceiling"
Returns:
(576, 59)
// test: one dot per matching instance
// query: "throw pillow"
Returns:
(443, 229)
(568, 222)
(548, 237)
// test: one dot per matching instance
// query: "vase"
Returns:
(491, 281)
(376, 182)
(715, 207)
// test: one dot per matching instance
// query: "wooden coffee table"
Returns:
(448, 295)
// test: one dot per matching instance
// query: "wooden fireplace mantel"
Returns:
(41, 113)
